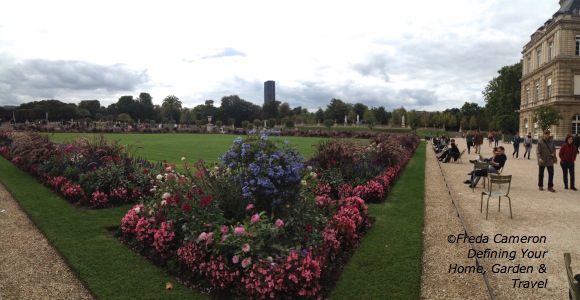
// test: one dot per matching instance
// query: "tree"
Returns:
(127, 105)
(92, 106)
(270, 110)
(319, 115)
(328, 123)
(125, 118)
(146, 110)
(397, 116)
(284, 110)
(234, 108)
(369, 118)
(502, 94)
(171, 104)
(336, 110)
(472, 122)
(360, 109)
(381, 114)
(507, 123)
(547, 116)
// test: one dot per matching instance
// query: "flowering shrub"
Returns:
(350, 168)
(258, 251)
(267, 172)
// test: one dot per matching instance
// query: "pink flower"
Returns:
(249, 206)
(279, 223)
(235, 259)
(246, 262)
(246, 248)
(208, 237)
(202, 236)
(255, 218)
(239, 230)
(225, 229)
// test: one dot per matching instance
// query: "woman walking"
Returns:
(528, 144)
(567, 157)
(516, 141)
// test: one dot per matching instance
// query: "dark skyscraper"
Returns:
(269, 91)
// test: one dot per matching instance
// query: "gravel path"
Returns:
(30, 267)
(535, 213)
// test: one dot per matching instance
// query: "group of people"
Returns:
(545, 153)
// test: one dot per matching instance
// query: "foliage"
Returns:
(267, 172)
(547, 116)
(502, 94)
(247, 251)
(328, 123)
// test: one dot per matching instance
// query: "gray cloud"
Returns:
(46, 79)
(375, 66)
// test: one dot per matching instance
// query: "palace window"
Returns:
(549, 87)
(529, 64)
(576, 124)
(537, 92)
(527, 95)
(551, 51)
(578, 45)
(539, 57)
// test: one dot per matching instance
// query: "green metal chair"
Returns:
(574, 287)
(499, 186)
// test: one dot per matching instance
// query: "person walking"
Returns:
(546, 154)
(528, 144)
(496, 139)
(516, 141)
(567, 155)
(489, 139)
(478, 141)
(469, 141)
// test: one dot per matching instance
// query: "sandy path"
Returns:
(552, 216)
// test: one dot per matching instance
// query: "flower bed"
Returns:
(260, 224)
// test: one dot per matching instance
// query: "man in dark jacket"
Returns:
(452, 152)
(546, 154)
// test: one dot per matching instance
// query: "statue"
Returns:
(357, 120)
(403, 121)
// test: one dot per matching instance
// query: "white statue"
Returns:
(403, 121)
(357, 120)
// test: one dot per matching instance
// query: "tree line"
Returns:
(500, 113)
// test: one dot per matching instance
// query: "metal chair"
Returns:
(497, 188)
(574, 287)
(458, 160)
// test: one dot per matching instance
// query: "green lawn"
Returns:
(386, 266)
(172, 147)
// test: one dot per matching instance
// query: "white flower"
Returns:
(309, 168)
(137, 210)
(163, 202)
(165, 195)
(312, 174)
(159, 177)
(183, 158)
(303, 182)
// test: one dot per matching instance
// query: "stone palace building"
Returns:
(551, 71)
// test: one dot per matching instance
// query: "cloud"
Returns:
(225, 53)
(21, 80)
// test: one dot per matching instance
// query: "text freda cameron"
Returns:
(501, 239)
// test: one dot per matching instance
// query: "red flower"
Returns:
(309, 228)
(186, 207)
(205, 201)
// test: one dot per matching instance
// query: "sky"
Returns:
(422, 54)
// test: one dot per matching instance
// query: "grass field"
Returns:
(386, 266)
(172, 147)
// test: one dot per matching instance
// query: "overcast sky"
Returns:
(422, 54)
